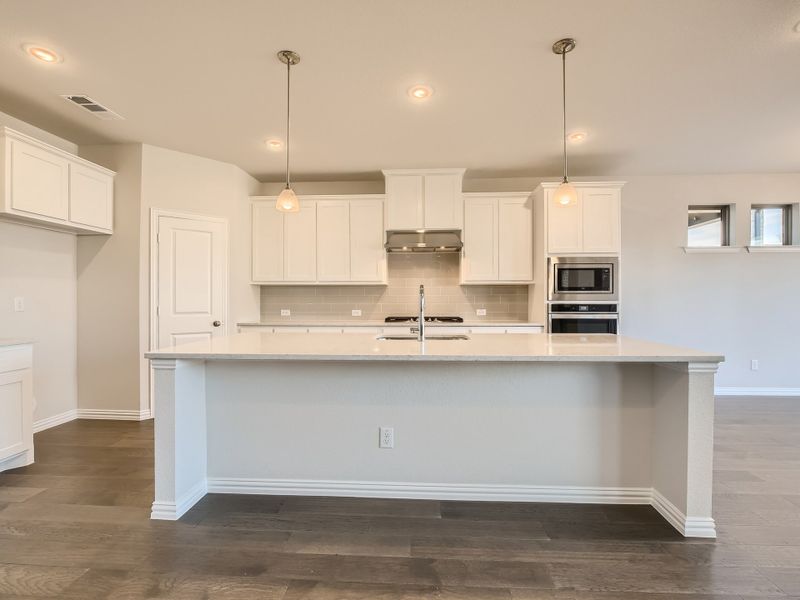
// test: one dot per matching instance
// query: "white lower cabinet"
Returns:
(16, 406)
(46, 186)
(498, 239)
(332, 240)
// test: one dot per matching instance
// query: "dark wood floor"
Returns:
(75, 526)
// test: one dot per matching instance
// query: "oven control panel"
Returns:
(583, 308)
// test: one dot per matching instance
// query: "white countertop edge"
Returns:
(14, 342)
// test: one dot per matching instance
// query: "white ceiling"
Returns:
(678, 86)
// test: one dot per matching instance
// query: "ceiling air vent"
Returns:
(97, 109)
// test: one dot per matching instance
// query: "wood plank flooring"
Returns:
(75, 525)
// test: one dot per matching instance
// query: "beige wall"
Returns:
(108, 292)
(443, 295)
(39, 265)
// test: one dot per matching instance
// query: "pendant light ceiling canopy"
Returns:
(287, 200)
(565, 193)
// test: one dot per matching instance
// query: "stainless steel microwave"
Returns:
(581, 279)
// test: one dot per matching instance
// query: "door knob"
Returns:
(217, 323)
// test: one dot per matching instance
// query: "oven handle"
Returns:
(608, 316)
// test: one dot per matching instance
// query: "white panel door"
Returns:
(267, 243)
(333, 240)
(404, 202)
(480, 241)
(15, 417)
(367, 254)
(192, 279)
(443, 202)
(300, 243)
(564, 225)
(39, 181)
(91, 197)
(601, 213)
(515, 239)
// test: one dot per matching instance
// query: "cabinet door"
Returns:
(333, 240)
(15, 413)
(367, 255)
(479, 262)
(404, 205)
(39, 181)
(443, 202)
(601, 211)
(514, 239)
(300, 243)
(564, 225)
(91, 197)
(267, 242)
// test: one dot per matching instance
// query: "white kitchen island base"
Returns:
(592, 419)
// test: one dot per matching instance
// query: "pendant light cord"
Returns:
(564, 108)
(288, 108)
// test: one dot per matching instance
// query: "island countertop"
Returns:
(534, 347)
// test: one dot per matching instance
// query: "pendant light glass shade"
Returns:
(566, 194)
(287, 201)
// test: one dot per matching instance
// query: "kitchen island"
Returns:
(527, 417)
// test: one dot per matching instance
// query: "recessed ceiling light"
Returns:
(274, 144)
(42, 54)
(420, 92)
(577, 136)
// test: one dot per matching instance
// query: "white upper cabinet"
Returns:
(300, 244)
(424, 199)
(589, 226)
(48, 187)
(498, 239)
(332, 240)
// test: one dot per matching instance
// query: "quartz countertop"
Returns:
(485, 347)
(384, 324)
(14, 341)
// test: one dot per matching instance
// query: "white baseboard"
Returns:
(431, 491)
(757, 391)
(172, 511)
(699, 527)
(60, 419)
(114, 415)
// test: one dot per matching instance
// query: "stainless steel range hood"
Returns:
(424, 241)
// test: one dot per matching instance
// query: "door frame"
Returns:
(155, 215)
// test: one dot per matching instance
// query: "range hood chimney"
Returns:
(424, 240)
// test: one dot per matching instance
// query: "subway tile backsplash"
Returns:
(439, 273)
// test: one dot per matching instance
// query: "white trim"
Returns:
(430, 491)
(757, 391)
(172, 511)
(113, 414)
(759, 249)
(59, 419)
(551, 185)
(324, 197)
(699, 527)
(712, 249)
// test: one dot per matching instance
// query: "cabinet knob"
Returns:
(217, 323)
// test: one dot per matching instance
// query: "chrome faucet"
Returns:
(421, 322)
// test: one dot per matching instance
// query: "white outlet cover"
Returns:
(285, 312)
(19, 304)
(356, 312)
(386, 437)
(481, 312)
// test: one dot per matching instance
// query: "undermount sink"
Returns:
(427, 337)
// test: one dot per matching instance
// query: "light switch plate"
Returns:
(481, 312)
(285, 312)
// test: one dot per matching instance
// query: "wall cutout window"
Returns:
(709, 226)
(770, 225)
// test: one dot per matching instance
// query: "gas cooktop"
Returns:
(427, 320)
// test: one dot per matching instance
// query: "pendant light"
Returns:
(287, 200)
(566, 193)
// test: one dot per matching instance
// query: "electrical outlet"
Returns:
(386, 437)
(481, 312)
(285, 312)
(356, 312)
(19, 304)
(754, 364)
